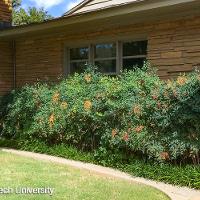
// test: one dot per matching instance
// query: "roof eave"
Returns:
(91, 16)
(80, 5)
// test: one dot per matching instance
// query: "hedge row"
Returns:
(131, 115)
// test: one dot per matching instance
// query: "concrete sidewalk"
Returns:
(174, 192)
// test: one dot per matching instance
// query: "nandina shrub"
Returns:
(133, 114)
(21, 106)
(83, 106)
(165, 124)
(177, 122)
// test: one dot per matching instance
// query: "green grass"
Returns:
(184, 175)
(69, 183)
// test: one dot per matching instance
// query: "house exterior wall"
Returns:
(38, 59)
(6, 67)
(173, 46)
(5, 12)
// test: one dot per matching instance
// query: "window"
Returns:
(134, 54)
(105, 58)
(110, 58)
(79, 57)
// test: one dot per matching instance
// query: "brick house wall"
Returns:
(38, 59)
(5, 12)
(173, 47)
(6, 67)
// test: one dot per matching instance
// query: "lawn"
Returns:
(68, 183)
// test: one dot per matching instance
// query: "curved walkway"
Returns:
(174, 192)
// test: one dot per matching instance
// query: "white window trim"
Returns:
(91, 59)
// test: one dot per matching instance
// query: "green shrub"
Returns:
(131, 115)
(21, 107)
(177, 175)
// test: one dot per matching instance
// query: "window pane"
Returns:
(105, 50)
(79, 53)
(106, 66)
(131, 63)
(77, 67)
(135, 48)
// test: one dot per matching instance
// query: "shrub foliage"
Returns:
(134, 114)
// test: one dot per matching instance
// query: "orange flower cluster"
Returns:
(181, 80)
(51, 120)
(175, 93)
(137, 110)
(164, 156)
(159, 105)
(87, 105)
(166, 94)
(169, 84)
(154, 97)
(64, 105)
(114, 133)
(126, 137)
(56, 97)
(88, 78)
(138, 129)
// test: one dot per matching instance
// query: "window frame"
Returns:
(105, 59)
(135, 56)
(91, 53)
(77, 60)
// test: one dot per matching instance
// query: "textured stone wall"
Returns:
(6, 67)
(5, 12)
(173, 46)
